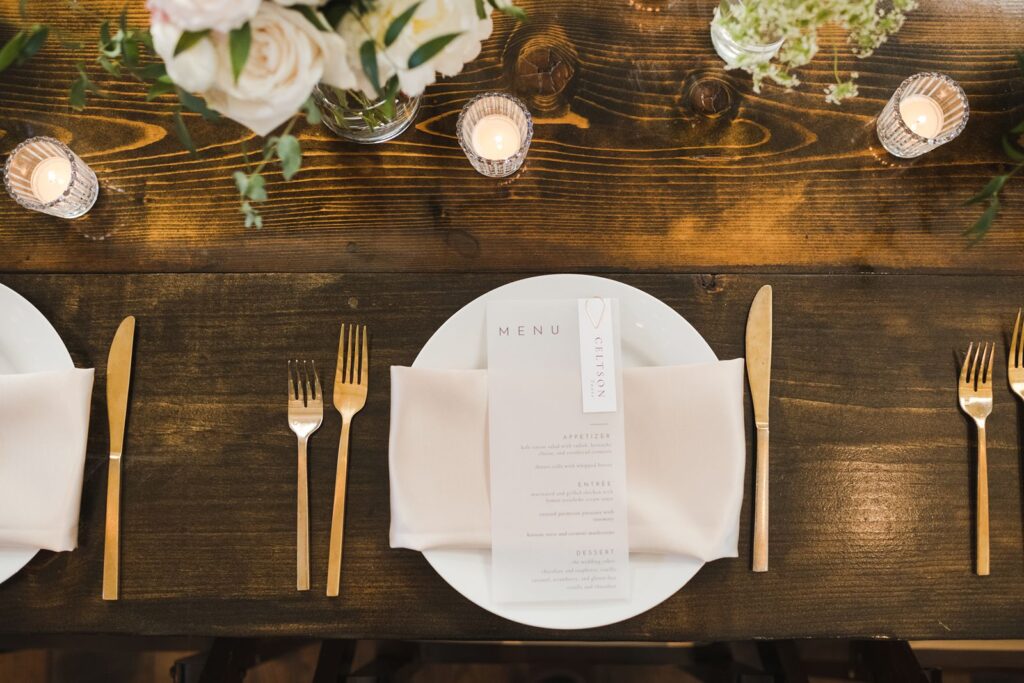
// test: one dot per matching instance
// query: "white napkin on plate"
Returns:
(685, 458)
(44, 424)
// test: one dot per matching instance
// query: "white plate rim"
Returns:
(20, 316)
(669, 572)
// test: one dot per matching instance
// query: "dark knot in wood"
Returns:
(709, 97)
(543, 65)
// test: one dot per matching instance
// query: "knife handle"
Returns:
(111, 543)
(761, 502)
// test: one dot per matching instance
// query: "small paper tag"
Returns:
(597, 355)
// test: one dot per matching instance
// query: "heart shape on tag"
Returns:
(595, 311)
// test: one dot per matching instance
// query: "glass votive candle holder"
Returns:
(44, 175)
(927, 110)
(495, 130)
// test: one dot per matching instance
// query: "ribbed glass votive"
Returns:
(495, 130)
(927, 110)
(44, 175)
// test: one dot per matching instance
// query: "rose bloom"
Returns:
(199, 15)
(288, 57)
(433, 18)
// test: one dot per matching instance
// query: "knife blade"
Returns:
(119, 369)
(759, 373)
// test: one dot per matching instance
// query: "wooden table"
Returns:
(629, 176)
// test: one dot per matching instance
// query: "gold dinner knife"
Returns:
(759, 374)
(119, 370)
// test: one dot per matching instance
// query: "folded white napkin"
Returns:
(44, 424)
(685, 458)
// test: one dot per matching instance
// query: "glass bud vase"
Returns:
(352, 116)
(738, 53)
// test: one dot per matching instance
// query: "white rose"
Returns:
(199, 15)
(288, 57)
(194, 68)
(433, 18)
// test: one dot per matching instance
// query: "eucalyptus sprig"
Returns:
(1013, 148)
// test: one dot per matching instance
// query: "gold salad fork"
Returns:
(1015, 364)
(975, 391)
(305, 415)
(350, 383)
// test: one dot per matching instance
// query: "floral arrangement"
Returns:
(868, 24)
(257, 62)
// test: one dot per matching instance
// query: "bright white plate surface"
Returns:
(28, 343)
(652, 334)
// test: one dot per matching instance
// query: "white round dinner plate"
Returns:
(652, 334)
(28, 343)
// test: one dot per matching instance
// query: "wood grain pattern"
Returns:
(624, 173)
(871, 475)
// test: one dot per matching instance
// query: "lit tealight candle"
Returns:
(922, 114)
(496, 137)
(51, 178)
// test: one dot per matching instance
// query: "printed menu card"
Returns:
(557, 451)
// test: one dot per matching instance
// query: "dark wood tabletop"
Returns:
(651, 165)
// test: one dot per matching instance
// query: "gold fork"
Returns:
(1015, 364)
(975, 391)
(350, 383)
(305, 415)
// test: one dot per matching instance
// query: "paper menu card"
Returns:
(557, 451)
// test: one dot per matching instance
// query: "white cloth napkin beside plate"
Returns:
(44, 425)
(685, 458)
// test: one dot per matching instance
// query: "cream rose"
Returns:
(433, 18)
(287, 58)
(199, 15)
(194, 68)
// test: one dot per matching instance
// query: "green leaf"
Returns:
(182, 130)
(481, 11)
(131, 52)
(290, 153)
(428, 50)
(122, 20)
(334, 11)
(396, 26)
(145, 38)
(517, 13)
(368, 56)
(312, 16)
(161, 86)
(239, 42)
(1012, 151)
(10, 51)
(152, 72)
(36, 37)
(110, 67)
(984, 222)
(188, 39)
(256, 190)
(76, 97)
(241, 182)
(196, 105)
(989, 190)
(1018, 129)
(313, 114)
(104, 35)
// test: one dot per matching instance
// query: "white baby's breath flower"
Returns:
(200, 15)
(432, 19)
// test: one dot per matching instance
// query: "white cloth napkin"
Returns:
(685, 458)
(44, 424)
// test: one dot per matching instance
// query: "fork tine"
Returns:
(988, 371)
(316, 383)
(967, 364)
(364, 360)
(307, 389)
(1015, 345)
(291, 383)
(973, 378)
(353, 331)
(339, 371)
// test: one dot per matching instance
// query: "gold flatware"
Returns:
(119, 370)
(975, 393)
(759, 374)
(1015, 364)
(305, 415)
(350, 383)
